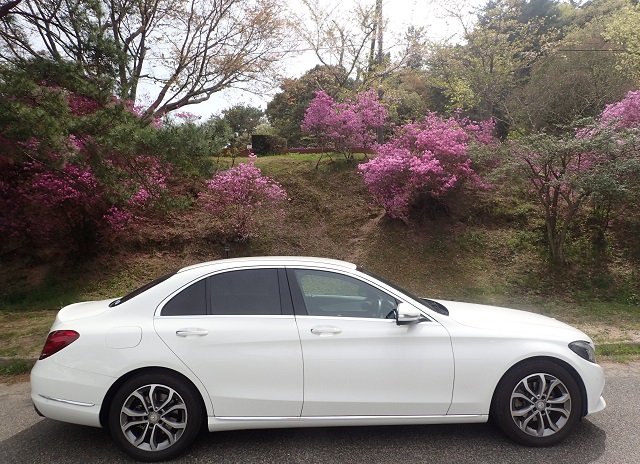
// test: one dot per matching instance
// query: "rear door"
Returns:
(236, 331)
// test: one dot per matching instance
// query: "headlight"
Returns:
(584, 349)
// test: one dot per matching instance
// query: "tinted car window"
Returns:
(337, 295)
(246, 292)
(191, 301)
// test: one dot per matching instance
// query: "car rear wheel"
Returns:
(154, 417)
(537, 404)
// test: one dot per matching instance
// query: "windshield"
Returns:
(142, 289)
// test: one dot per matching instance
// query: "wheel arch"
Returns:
(108, 398)
(559, 362)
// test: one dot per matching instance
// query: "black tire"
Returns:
(537, 403)
(155, 416)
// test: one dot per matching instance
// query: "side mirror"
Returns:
(407, 314)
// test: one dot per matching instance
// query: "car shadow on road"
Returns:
(473, 443)
(51, 441)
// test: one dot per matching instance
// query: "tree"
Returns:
(621, 30)
(242, 119)
(423, 165)
(507, 39)
(345, 127)
(579, 75)
(286, 110)
(598, 163)
(574, 82)
(5, 8)
(189, 145)
(349, 43)
(407, 96)
(186, 50)
(339, 39)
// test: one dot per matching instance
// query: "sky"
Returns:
(399, 14)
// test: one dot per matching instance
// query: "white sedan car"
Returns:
(305, 342)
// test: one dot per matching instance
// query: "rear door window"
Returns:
(249, 292)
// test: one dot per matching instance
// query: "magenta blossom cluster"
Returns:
(345, 127)
(147, 178)
(136, 110)
(67, 196)
(80, 105)
(424, 161)
(623, 114)
(239, 196)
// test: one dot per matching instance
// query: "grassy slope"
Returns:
(464, 258)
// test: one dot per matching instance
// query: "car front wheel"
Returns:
(154, 417)
(537, 404)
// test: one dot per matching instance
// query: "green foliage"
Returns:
(16, 366)
(33, 104)
(406, 96)
(264, 145)
(190, 146)
(75, 159)
(576, 79)
(621, 29)
(506, 40)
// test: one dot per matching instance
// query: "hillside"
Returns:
(477, 253)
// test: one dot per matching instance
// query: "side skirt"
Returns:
(217, 424)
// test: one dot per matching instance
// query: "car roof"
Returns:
(272, 260)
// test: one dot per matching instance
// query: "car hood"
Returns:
(496, 318)
(82, 310)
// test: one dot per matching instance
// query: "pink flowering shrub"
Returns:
(242, 199)
(345, 127)
(80, 105)
(68, 200)
(623, 114)
(146, 178)
(61, 202)
(423, 164)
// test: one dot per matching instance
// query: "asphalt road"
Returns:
(608, 437)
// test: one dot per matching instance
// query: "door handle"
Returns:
(192, 332)
(325, 330)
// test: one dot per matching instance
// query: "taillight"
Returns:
(57, 340)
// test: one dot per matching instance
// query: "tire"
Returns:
(154, 417)
(537, 403)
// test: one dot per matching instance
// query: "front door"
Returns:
(357, 360)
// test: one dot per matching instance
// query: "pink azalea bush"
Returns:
(65, 201)
(70, 200)
(623, 114)
(424, 163)
(345, 127)
(242, 199)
